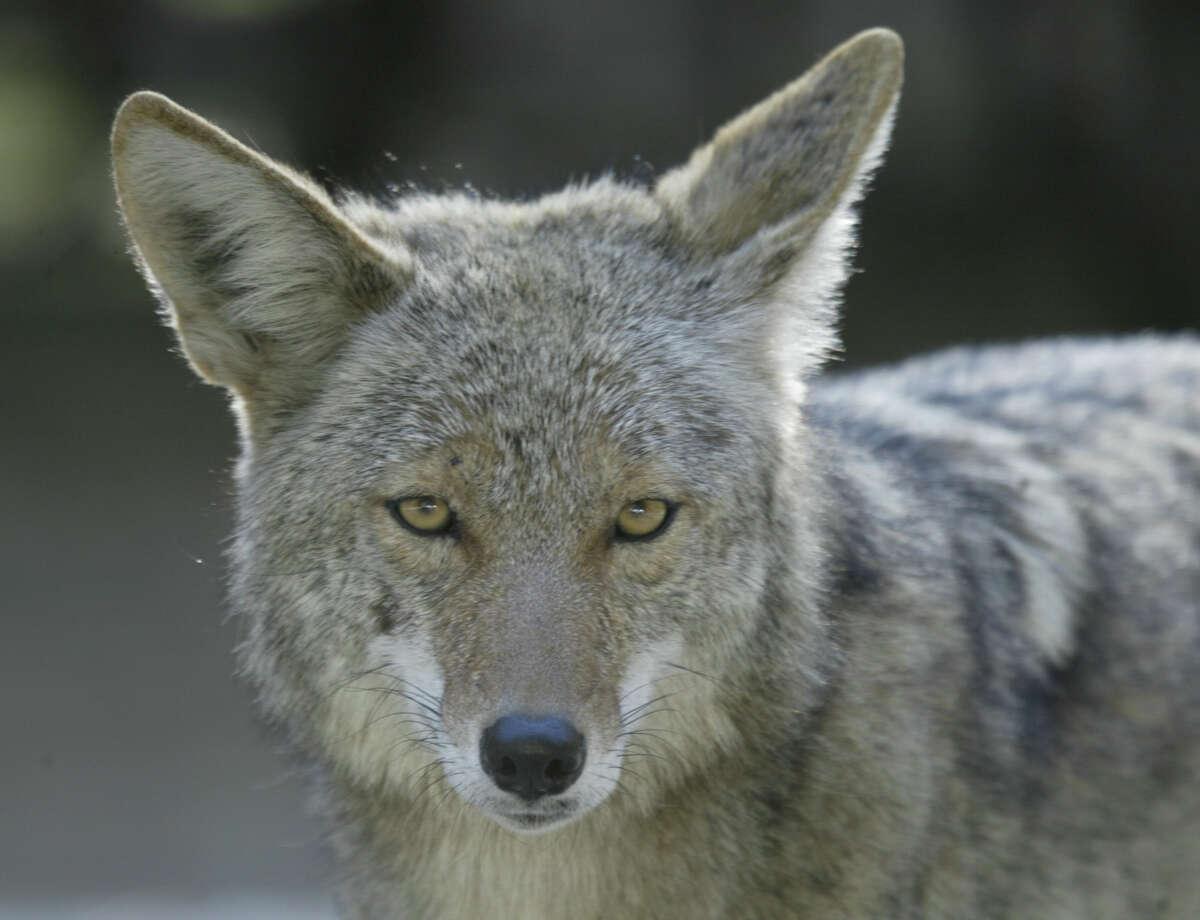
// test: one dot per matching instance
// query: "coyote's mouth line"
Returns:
(537, 821)
(534, 818)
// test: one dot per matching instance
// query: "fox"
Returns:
(585, 590)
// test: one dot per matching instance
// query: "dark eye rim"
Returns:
(449, 529)
(619, 536)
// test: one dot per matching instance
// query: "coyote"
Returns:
(587, 596)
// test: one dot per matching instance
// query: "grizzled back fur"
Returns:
(546, 523)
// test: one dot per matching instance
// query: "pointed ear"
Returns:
(259, 272)
(777, 174)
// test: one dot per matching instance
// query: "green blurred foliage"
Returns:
(234, 11)
(44, 144)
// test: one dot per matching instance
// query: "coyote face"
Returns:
(523, 545)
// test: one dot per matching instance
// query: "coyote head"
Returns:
(521, 483)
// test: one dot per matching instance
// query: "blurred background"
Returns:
(1043, 179)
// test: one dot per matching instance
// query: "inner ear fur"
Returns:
(257, 269)
(776, 173)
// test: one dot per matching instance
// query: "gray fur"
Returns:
(918, 643)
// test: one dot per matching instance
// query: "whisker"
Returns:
(653, 732)
(632, 715)
(641, 751)
(647, 715)
(640, 686)
(686, 669)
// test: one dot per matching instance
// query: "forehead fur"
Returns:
(534, 325)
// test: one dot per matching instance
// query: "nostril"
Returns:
(532, 756)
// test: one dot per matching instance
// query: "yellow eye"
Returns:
(643, 518)
(423, 514)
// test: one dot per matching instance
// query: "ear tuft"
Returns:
(259, 271)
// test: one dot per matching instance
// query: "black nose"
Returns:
(532, 756)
